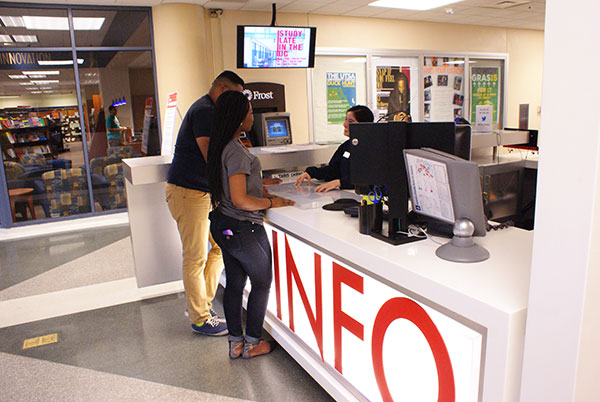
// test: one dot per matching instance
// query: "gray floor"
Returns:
(24, 259)
(129, 346)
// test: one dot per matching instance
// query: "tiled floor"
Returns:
(127, 347)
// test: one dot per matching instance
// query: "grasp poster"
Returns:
(485, 84)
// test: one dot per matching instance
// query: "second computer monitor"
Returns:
(273, 128)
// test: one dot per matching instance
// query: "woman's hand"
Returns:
(267, 181)
(302, 177)
(330, 185)
(280, 202)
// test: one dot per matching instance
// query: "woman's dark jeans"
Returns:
(246, 254)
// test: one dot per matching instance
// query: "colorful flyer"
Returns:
(341, 95)
(485, 84)
(443, 90)
(393, 92)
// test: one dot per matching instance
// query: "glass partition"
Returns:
(339, 82)
(395, 80)
(443, 88)
(125, 80)
(40, 138)
(486, 87)
(111, 28)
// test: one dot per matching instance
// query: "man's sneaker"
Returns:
(213, 313)
(211, 327)
(261, 348)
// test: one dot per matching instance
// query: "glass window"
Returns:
(23, 27)
(125, 80)
(487, 81)
(339, 82)
(40, 138)
(443, 88)
(111, 28)
(395, 81)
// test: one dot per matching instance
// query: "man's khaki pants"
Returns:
(201, 268)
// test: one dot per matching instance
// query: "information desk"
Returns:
(372, 321)
(369, 321)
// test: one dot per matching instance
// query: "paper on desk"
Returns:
(304, 195)
(291, 148)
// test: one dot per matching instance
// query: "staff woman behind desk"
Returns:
(236, 223)
(337, 172)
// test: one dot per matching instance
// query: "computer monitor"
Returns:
(447, 188)
(376, 159)
(273, 129)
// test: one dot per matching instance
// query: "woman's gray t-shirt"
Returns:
(235, 160)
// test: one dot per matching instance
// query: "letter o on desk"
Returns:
(401, 307)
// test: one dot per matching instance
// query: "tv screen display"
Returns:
(277, 128)
(275, 47)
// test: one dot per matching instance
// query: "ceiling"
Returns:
(526, 14)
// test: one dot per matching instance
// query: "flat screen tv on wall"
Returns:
(275, 47)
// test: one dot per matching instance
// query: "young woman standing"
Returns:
(235, 182)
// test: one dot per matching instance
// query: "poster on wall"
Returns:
(341, 95)
(146, 130)
(168, 134)
(485, 89)
(393, 93)
(443, 95)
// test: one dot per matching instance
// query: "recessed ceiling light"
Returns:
(62, 23)
(5, 38)
(37, 76)
(449, 11)
(58, 62)
(413, 4)
(17, 77)
(12, 21)
(45, 87)
(48, 92)
(44, 82)
(25, 38)
(26, 83)
(42, 72)
(35, 92)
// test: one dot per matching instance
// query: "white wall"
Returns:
(524, 47)
(562, 353)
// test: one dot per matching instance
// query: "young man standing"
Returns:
(113, 128)
(188, 198)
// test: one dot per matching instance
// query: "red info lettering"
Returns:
(401, 307)
(341, 319)
(316, 319)
(276, 274)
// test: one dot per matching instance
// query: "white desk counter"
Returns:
(489, 298)
(338, 296)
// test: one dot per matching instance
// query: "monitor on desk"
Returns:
(273, 129)
(377, 159)
(447, 188)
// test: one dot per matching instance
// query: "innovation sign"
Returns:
(388, 345)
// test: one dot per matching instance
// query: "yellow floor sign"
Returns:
(40, 341)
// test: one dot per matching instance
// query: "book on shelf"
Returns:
(11, 152)
(11, 138)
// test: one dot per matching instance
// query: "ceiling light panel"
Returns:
(17, 77)
(413, 4)
(12, 22)
(42, 72)
(25, 38)
(62, 23)
(5, 38)
(58, 62)
(44, 82)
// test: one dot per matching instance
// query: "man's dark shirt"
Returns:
(188, 168)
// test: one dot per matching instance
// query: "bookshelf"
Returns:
(41, 130)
